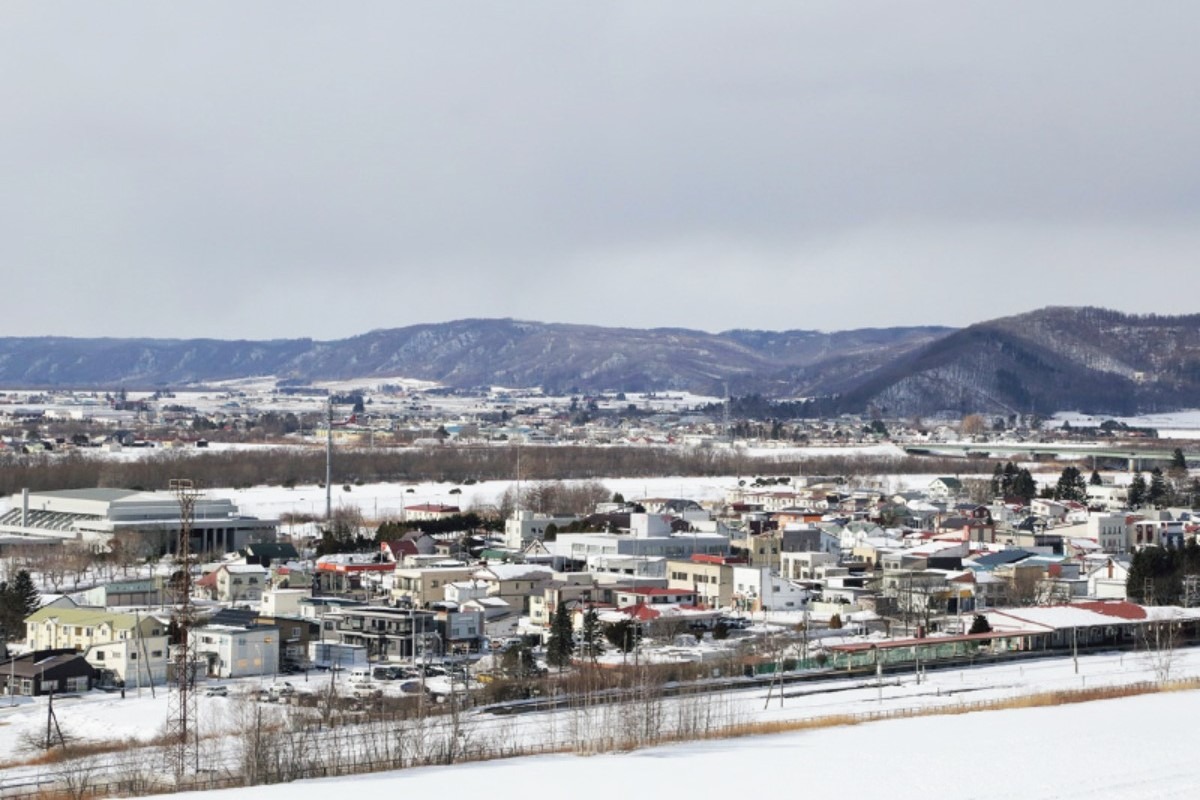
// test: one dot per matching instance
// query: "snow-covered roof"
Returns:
(515, 572)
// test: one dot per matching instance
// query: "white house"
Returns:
(137, 662)
(1106, 580)
(759, 589)
(282, 602)
(945, 488)
(232, 652)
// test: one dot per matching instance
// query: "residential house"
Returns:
(515, 583)
(233, 652)
(803, 566)
(234, 583)
(1107, 578)
(711, 577)
(761, 589)
(525, 526)
(571, 588)
(295, 635)
(460, 630)
(46, 671)
(386, 633)
(945, 489)
(419, 587)
(655, 597)
(282, 602)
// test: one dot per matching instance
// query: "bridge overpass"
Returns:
(1134, 456)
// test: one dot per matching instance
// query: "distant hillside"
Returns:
(477, 352)
(1044, 361)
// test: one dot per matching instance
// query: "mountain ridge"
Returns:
(1051, 359)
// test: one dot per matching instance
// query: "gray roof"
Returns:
(102, 495)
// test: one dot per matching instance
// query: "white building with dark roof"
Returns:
(94, 516)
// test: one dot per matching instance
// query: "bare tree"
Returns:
(1159, 639)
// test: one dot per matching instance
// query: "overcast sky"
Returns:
(285, 169)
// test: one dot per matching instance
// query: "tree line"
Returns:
(289, 466)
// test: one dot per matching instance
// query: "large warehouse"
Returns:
(95, 515)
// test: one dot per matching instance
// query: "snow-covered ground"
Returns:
(1172, 425)
(1077, 751)
(1086, 750)
(107, 716)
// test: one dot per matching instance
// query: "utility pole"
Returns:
(328, 460)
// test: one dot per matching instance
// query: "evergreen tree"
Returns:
(1095, 480)
(27, 596)
(1157, 493)
(18, 599)
(1024, 486)
(592, 644)
(1137, 491)
(622, 635)
(1178, 468)
(1070, 486)
(980, 625)
(518, 662)
(561, 643)
(8, 616)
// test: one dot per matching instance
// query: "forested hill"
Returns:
(1044, 361)
(1050, 360)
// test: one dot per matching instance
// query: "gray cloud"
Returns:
(274, 169)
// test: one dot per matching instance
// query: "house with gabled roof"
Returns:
(515, 583)
(945, 488)
(121, 643)
(234, 583)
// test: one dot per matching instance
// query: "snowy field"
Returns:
(106, 716)
(379, 501)
(1172, 425)
(1074, 751)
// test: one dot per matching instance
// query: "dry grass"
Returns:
(620, 744)
(1039, 700)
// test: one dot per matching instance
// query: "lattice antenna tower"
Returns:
(1191, 591)
(182, 723)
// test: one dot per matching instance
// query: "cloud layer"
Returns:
(272, 169)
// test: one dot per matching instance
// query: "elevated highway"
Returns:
(1136, 457)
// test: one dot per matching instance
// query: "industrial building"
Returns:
(94, 516)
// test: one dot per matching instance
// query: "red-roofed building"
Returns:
(397, 549)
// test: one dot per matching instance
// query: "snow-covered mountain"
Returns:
(1044, 361)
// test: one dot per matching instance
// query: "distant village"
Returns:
(852, 572)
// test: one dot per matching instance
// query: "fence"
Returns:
(443, 741)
